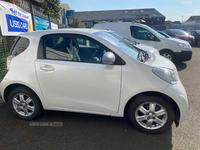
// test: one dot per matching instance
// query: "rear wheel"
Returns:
(24, 103)
(151, 114)
(168, 54)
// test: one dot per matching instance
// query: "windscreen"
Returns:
(179, 32)
(119, 42)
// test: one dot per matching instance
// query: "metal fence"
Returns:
(186, 26)
(39, 13)
(6, 43)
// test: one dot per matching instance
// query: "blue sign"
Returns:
(16, 24)
(41, 24)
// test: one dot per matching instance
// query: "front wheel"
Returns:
(24, 103)
(167, 54)
(151, 114)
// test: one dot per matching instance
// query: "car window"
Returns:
(20, 46)
(120, 43)
(164, 34)
(141, 33)
(194, 33)
(123, 37)
(86, 43)
(168, 32)
(72, 48)
(179, 32)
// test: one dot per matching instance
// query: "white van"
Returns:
(171, 48)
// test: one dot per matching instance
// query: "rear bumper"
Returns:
(183, 55)
(1, 96)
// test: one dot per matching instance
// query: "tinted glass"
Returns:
(179, 32)
(164, 34)
(71, 48)
(123, 37)
(141, 33)
(120, 43)
(20, 46)
(168, 32)
(89, 50)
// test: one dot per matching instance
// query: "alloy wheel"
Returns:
(151, 115)
(23, 104)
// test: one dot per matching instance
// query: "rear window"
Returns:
(20, 46)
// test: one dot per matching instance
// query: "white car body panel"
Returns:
(70, 84)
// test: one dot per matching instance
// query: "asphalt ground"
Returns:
(74, 131)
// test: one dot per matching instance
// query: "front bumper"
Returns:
(183, 55)
(178, 94)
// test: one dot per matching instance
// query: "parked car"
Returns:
(164, 34)
(196, 34)
(171, 48)
(177, 33)
(92, 71)
(138, 46)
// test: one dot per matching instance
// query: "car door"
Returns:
(144, 36)
(72, 76)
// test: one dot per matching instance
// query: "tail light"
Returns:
(9, 58)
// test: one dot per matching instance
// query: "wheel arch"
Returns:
(158, 94)
(13, 86)
(162, 50)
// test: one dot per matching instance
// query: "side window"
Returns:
(86, 43)
(89, 50)
(61, 48)
(20, 46)
(72, 48)
(168, 32)
(142, 34)
(194, 33)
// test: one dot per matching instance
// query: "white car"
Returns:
(92, 71)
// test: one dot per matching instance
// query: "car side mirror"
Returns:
(108, 58)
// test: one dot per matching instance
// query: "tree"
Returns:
(75, 22)
(16, 2)
(52, 8)
(169, 22)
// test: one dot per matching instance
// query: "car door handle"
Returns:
(47, 68)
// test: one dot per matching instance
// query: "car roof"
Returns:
(173, 29)
(123, 23)
(57, 31)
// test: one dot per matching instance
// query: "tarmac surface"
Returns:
(74, 131)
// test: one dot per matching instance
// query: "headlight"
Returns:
(184, 45)
(165, 74)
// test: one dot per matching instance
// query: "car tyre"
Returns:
(168, 54)
(25, 104)
(151, 114)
